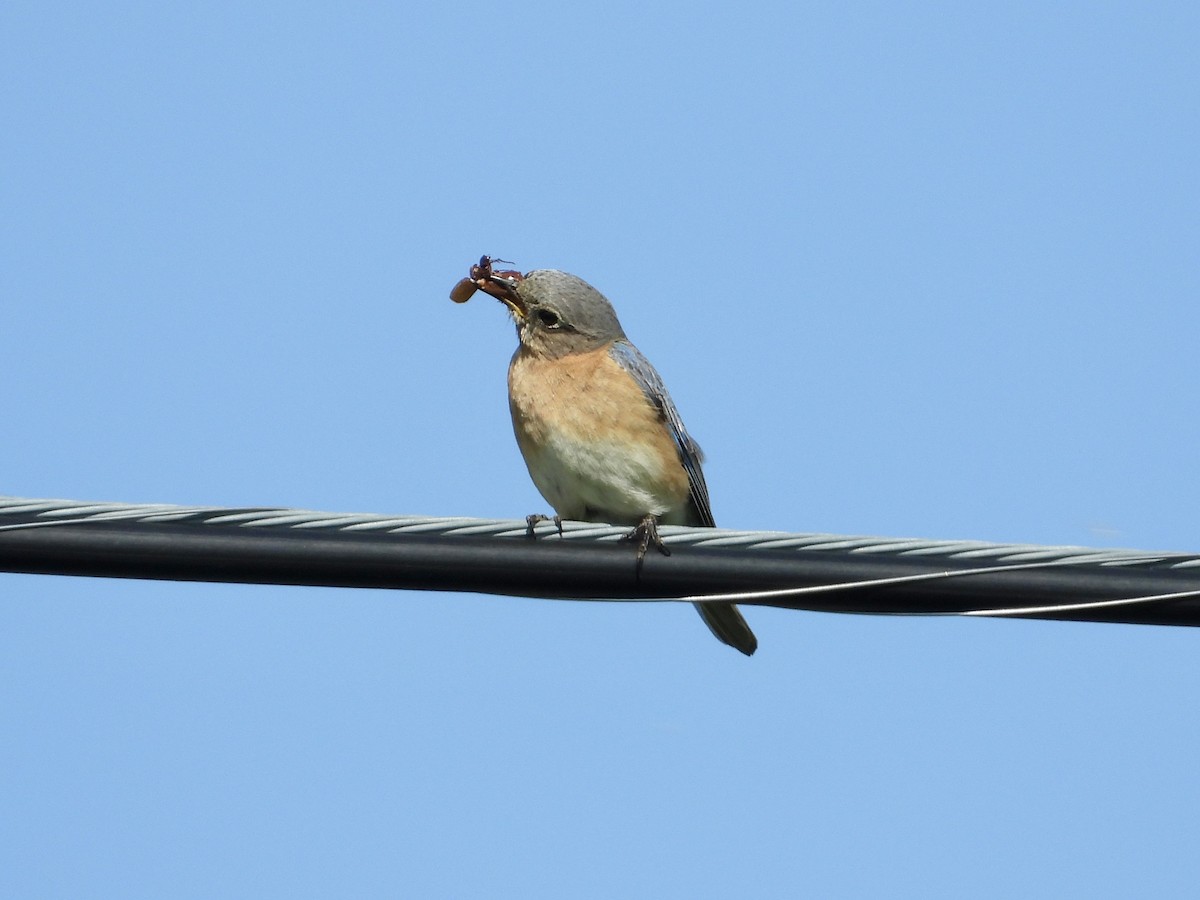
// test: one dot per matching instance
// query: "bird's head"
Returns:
(557, 313)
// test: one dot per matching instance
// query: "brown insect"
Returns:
(481, 277)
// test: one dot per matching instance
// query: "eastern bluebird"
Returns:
(601, 438)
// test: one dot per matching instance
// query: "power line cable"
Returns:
(823, 572)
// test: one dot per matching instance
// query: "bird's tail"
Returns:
(726, 622)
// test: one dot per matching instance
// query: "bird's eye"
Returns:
(548, 318)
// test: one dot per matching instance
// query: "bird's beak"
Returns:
(500, 284)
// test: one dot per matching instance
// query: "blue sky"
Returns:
(908, 269)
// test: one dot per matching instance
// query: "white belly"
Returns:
(600, 481)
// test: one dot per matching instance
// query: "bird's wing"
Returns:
(631, 360)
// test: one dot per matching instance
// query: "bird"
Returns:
(600, 435)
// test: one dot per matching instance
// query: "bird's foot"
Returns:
(646, 536)
(531, 523)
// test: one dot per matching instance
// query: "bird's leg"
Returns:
(646, 535)
(531, 523)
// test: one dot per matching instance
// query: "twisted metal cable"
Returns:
(20, 513)
(587, 561)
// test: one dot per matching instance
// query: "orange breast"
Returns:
(594, 445)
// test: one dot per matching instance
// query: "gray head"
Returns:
(558, 313)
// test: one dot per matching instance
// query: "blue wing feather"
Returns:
(690, 455)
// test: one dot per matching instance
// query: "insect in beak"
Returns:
(501, 284)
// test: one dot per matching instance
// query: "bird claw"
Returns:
(531, 523)
(646, 535)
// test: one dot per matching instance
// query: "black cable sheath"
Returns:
(205, 546)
